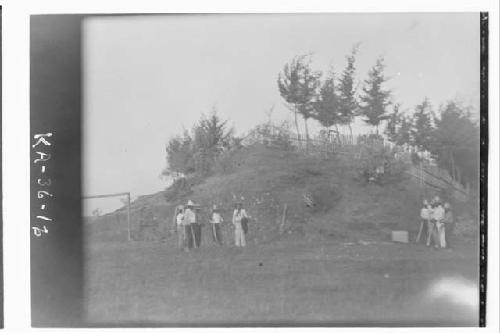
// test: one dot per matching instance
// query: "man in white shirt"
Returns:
(180, 226)
(425, 213)
(215, 221)
(190, 220)
(432, 229)
(438, 216)
(238, 215)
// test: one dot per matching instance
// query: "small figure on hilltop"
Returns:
(240, 220)
(215, 221)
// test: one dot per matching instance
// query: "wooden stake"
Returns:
(128, 216)
(420, 231)
(283, 219)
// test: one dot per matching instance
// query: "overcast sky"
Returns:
(147, 77)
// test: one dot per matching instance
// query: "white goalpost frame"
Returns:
(115, 195)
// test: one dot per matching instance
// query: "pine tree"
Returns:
(422, 128)
(298, 85)
(398, 127)
(327, 106)
(179, 155)
(456, 143)
(404, 131)
(215, 132)
(375, 98)
(393, 123)
(198, 151)
(348, 104)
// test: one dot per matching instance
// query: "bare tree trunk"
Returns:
(297, 126)
(327, 143)
(338, 133)
(350, 131)
(283, 220)
(453, 170)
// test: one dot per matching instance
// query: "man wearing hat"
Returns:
(239, 216)
(425, 222)
(437, 216)
(215, 221)
(180, 228)
(190, 220)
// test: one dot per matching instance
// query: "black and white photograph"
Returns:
(258, 170)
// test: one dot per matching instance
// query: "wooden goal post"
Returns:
(115, 195)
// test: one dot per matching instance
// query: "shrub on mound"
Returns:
(378, 163)
(323, 196)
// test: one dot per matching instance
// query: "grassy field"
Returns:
(284, 283)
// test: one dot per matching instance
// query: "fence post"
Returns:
(283, 220)
(128, 216)
(421, 174)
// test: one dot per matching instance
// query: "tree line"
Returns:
(333, 100)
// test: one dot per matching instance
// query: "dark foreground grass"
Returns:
(282, 283)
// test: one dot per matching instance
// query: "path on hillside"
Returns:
(284, 282)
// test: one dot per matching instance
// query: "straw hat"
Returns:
(436, 199)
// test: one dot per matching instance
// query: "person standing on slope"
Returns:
(197, 226)
(239, 216)
(449, 225)
(180, 229)
(439, 231)
(425, 223)
(431, 230)
(215, 221)
(190, 220)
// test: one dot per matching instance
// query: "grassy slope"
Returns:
(267, 179)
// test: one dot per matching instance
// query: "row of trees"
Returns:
(334, 101)
(451, 135)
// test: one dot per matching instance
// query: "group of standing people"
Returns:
(188, 225)
(437, 222)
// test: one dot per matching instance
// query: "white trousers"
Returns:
(441, 234)
(239, 235)
(181, 237)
